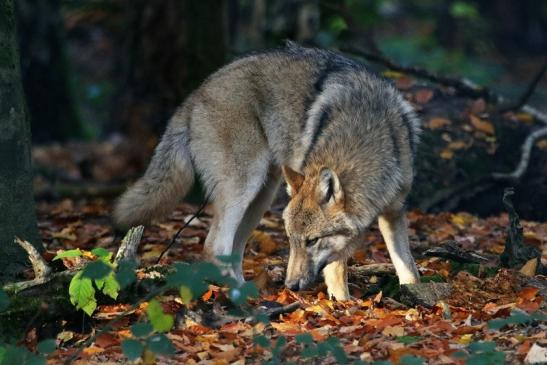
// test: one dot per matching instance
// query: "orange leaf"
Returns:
(436, 123)
(482, 125)
(447, 154)
(423, 96)
(528, 293)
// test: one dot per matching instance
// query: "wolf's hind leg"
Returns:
(393, 226)
(253, 214)
(336, 278)
(232, 199)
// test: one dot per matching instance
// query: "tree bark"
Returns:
(17, 215)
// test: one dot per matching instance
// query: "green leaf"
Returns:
(410, 360)
(304, 338)
(160, 321)
(96, 270)
(482, 346)
(262, 341)
(82, 294)
(69, 253)
(337, 24)
(141, 329)
(36, 360)
(133, 349)
(46, 346)
(185, 294)
(102, 253)
(263, 318)
(460, 9)
(160, 344)
(125, 274)
(4, 300)
(111, 286)
(407, 340)
(239, 295)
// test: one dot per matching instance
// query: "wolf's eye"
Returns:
(311, 242)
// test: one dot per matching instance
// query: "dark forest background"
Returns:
(101, 79)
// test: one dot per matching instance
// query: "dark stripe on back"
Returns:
(395, 143)
(321, 124)
(408, 123)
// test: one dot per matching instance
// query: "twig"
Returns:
(173, 240)
(272, 313)
(39, 265)
(129, 245)
(527, 93)
(451, 250)
(524, 157)
(372, 269)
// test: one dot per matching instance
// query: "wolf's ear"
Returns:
(329, 186)
(294, 180)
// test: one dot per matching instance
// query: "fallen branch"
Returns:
(452, 251)
(526, 151)
(372, 269)
(130, 244)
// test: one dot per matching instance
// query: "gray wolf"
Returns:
(343, 138)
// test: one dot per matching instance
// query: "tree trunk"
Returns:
(17, 216)
(170, 48)
(46, 72)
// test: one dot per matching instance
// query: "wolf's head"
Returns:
(319, 229)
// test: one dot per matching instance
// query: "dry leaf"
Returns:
(436, 123)
(529, 268)
(447, 154)
(266, 244)
(457, 145)
(394, 331)
(482, 125)
(423, 96)
(536, 355)
(478, 106)
(405, 82)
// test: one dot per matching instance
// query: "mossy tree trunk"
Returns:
(17, 215)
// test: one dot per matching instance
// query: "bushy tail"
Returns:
(168, 178)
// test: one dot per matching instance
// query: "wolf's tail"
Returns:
(168, 178)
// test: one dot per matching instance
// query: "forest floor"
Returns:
(374, 326)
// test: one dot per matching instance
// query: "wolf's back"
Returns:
(167, 179)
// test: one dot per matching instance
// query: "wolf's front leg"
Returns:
(336, 278)
(393, 226)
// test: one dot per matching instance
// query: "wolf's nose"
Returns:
(293, 285)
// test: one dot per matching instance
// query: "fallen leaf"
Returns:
(536, 355)
(423, 96)
(394, 331)
(529, 268)
(405, 82)
(528, 293)
(436, 123)
(482, 125)
(478, 106)
(447, 154)
(265, 243)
